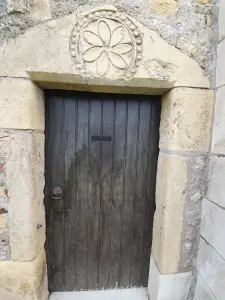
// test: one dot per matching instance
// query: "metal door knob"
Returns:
(57, 193)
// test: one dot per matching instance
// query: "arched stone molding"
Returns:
(130, 59)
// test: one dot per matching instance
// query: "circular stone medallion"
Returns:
(106, 43)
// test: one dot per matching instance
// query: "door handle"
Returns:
(57, 193)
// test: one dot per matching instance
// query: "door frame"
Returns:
(184, 143)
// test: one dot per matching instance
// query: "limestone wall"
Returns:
(186, 24)
(211, 256)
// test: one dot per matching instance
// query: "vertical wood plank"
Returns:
(82, 169)
(70, 107)
(118, 188)
(140, 196)
(129, 193)
(106, 193)
(150, 186)
(93, 211)
(56, 132)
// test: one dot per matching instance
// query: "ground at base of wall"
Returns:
(126, 294)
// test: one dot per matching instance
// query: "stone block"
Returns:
(168, 287)
(25, 182)
(202, 290)
(216, 188)
(186, 119)
(220, 70)
(22, 105)
(165, 7)
(168, 220)
(218, 136)
(213, 226)
(23, 280)
(211, 267)
(221, 21)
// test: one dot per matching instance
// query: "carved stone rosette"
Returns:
(106, 43)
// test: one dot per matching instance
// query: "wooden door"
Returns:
(101, 159)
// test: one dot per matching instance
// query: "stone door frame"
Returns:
(184, 142)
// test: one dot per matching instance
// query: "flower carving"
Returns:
(106, 43)
(107, 48)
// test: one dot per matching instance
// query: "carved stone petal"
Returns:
(122, 48)
(92, 38)
(102, 64)
(117, 61)
(117, 36)
(92, 54)
(104, 32)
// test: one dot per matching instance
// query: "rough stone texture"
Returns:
(2, 7)
(220, 74)
(161, 68)
(21, 104)
(22, 280)
(4, 245)
(171, 286)
(202, 291)
(216, 190)
(221, 20)
(165, 7)
(213, 226)
(25, 181)
(183, 128)
(195, 189)
(4, 200)
(218, 137)
(16, 6)
(168, 220)
(211, 267)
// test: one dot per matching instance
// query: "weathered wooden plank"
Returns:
(129, 192)
(118, 188)
(140, 195)
(81, 186)
(69, 134)
(94, 207)
(106, 194)
(150, 186)
(57, 170)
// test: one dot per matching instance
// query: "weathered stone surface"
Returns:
(22, 280)
(212, 226)
(211, 267)
(202, 291)
(22, 105)
(25, 181)
(40, 10)
(165, 7)
(4, 245)
(195, 189)
(221, 20)
(168, 220)
(16, 6)
(215, 188)
(218, 136)
(52, 63)
(220, 73)
(186, 119)
(171, 286)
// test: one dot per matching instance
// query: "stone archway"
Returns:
(55, 55)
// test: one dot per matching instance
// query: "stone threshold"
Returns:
(125, 294)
